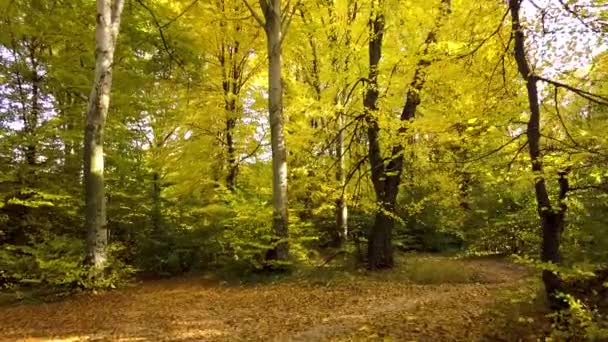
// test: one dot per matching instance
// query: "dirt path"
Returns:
(362, 308)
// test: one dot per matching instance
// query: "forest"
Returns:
(303, 170)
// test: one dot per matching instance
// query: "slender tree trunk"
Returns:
(29, 117)
(551, 220)
(341, 205)
(33, 121)
(272, 14)
(341, 66)
(232, 70)
(71, 163)
(156, 213)
(106, 33)
(233, 166)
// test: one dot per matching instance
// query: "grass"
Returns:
(433, 270)
(412, 268)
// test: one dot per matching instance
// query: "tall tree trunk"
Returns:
(386, 179)
(106, 33)
(232, 71)
(551, 220)
(272, 14)
(380, 250)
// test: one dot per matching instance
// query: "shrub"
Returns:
(57, 261)
(580, 322)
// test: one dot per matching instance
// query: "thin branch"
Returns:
(486, 39)
(559, 116)
(595, 98)
(256, 149)
(255, 14)
(162, 34)
(521, 148)
(352, 173)
(496, 150)
(354, 86)
(286, 22)
(600, 187)
(167, 136)
(581, 18)
(171, 21)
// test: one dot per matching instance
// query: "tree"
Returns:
(380, 248)
(386, 178)
(550, 209)
(275, 25)
(341, 64)
(106, 33)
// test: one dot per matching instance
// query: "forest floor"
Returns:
(429, 299)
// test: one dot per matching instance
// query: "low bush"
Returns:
(57, 261)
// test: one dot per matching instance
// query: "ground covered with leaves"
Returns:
(426, 298)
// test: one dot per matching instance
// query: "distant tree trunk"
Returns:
(31, 152)
(386, 178)
(341, 205)
(28, 86)
(71, 162)
(341, 66)
(232, 82)
(156, 214)
(273, 28)
(232, 88)
(552, 219)
(106, 33)
(233, 166)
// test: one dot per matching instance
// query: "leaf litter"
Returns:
(357, 308)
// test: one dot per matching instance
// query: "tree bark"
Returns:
(552, 219)
(341, 205)
(232, 82)
(380, 250)
(341, 67)
(32, 94)
(156, 212)
(273, 28)
(232, 88)
(233, 165)
(386, 179)
(106, 33)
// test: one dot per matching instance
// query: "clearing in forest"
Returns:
(425, 299)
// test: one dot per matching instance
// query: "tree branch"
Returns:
(595, 98)
(561, 120)
(171, 21)
(496, 150)
(162, 34)
(255, 14)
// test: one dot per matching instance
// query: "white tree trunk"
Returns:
(106, 32)
(272, 14)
